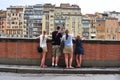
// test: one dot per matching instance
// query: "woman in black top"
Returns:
(79, 51)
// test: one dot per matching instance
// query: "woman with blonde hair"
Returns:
(79, 51)
(68, 49)
(43, 44)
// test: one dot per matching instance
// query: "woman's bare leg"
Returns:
(43, 59)
(77, 61)
(71, 60)
(80, 59)
(66, 59)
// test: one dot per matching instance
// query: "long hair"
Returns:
(66, 32)
(44, 33)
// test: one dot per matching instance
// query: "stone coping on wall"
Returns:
(84, 41)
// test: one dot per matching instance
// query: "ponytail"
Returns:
(66, 32)
(66, 36)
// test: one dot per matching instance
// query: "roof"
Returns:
(91, 15)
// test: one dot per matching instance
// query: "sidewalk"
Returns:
(37, 69)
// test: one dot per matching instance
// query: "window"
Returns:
(51, 24)
(73, 19)
(19, 15)
(51, 16)
(108, 37)
(111, 30)
(12, 22)
(107, 30)
(99, 25)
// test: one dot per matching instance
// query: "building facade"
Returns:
(48, 18)
(111, 28)
(66, 16)
(113, 14)
(2, 23)
(29, 21)
(86, 26)
(107, 28)
(33, 20)
(92, 18)
(73, 18)
(15, 22)
(118, 31)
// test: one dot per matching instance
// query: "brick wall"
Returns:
(23, 51)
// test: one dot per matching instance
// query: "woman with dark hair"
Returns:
(68, 49)
(79, 51)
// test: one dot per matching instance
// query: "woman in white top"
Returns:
(43, 43)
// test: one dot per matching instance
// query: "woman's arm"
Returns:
(74, 38)
(37, 37)
(82, 38)
(49, 38)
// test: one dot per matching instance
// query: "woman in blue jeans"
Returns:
(79, 51)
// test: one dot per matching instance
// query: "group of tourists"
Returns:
(57, 39)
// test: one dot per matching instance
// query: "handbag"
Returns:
(39, 49)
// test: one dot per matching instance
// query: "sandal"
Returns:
(71, 67)
(43, 66)
(77, 66)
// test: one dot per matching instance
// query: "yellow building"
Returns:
(92, 18)
(66, 16)
(15, 22)
(48, 18)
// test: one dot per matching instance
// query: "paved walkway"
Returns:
(21, 76)
(37, 69)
